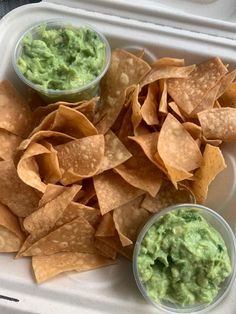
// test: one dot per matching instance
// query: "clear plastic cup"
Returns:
(217, 222)
(52, 95)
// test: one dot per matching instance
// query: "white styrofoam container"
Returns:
(111, 289)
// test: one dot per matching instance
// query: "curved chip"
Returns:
(28, 169)
(81, 158)
(213, 163)
(149, 109)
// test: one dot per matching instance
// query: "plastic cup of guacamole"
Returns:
(62, 60)
(184, 259)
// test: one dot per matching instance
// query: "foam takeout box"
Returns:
(194, 30)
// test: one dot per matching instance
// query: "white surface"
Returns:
(216, 17)
(111, 289)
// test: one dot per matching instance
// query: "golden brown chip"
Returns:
(46, 267)
(75, 236)
(129, 219)
(9, 143)
(125, 70)
(15, 114)
(141, 173)
(81, 158)
(193, 129)
(115, 152)
(163, 100)
(56, 138)
(166, 72)
(213, 163)
(28, 169)
(177, 148)
(43, 219)
(219, 123)
(176, 110)
(112, 191)
(190, 92)
(24, 200)
(167, 196)
(228, 99)
(168, 61)
(74, 210)
(114, 243)
(9, 242)
(149, 108)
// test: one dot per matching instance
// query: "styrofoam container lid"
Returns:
(216, 17)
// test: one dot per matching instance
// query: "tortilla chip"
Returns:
(104, 249)
(219, 123)
(176, 147)
(106, 227)
(112, 191)
(190, 92)
(225, 82)
(167, 196)
(213, 163)
(163, 100)
(168, 61)
(9, 143)
(166, 72)
(74, 210)
(44, 219)
(88, 192)
(53, 137)
(9, 242)
(24, 200)
(149, 108)
(15, 114)
(10, 222)
(48, 163)
(28, 169)
(141, 173)
(75, 236)
(129, 219)
(115, 152)
(52, 191)
(81, 158)
(136, 116)
(228, 99)
(193, 129)
(46, 267)
(125, 70)
(72, 122)
(176, 110)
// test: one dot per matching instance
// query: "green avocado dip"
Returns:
(62, 58)
(182, 259)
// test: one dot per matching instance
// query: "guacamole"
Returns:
(62, 58)
(183, 259)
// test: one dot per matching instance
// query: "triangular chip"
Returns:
(176, 147)
(112, 191)
(228, 99)
(46, 267)
(9, 143)
(115, 152)
(213, 163)
(190, 92)
(81, 158)
(75, 236)
(104, 249)
(106, 227)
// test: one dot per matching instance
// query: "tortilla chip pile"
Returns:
(79, 180)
